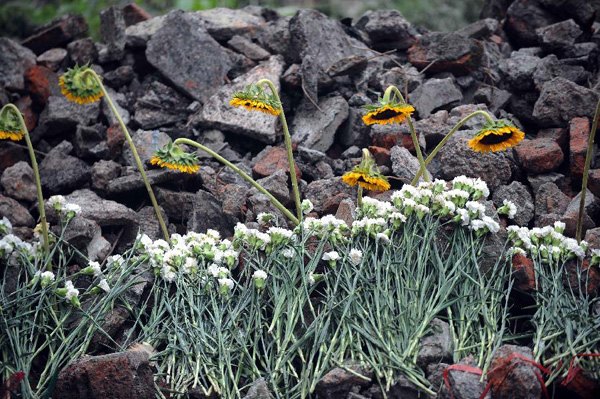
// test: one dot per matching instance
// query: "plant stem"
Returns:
(446, 138)
(586, 172)
(36, 176)
(386, 97)
(243, 174)
(134, 152)
(288, 145)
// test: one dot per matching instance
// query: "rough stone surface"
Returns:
(160, 106)
(270, 160)
(104, 172)
(523, 17)
(277, 185)
(224, 23)
(437, 346)
(316, 129)
(57, 33)
(16, 213)
(404, 165)
(82, 51)
(259, 390)
(112, 31)
(121, 375)
(248, 48)
(257, 125)
(207, 213)
(61, 113)
(53, 58)
(559, 35)
(519, 69)
(591, 210)
(327, 194)
(139, 34)
(387, 30)
(14, 61)
(62, 173)
(102, 211)
(146, 143)
(435, 94)
(540, 155)
(513, 377)
(451, 52)
(338, 382)
(464, 384)
(90, 142)
(549, 199)
(579, 133)
(551, 67)
(518, 194)
(17, 182)
(178, 50)
(552, 110)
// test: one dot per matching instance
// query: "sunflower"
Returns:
(79, 87)
(366, 174)
(10, 127)
(384, 113)
(173, 157)
(496, 136)
(254, 98)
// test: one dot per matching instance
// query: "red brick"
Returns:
(274, 159)
(134, 14)
(524, 273)
(579, 132)
(41, 82)
(31, 118)
(115, 139)
(381, 155)
(539, 155)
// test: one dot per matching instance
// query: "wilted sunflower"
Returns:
(173, 157)
(254, 98)
(10, 127)
(366, 175)
(383, 113)
(496, 136)
(79, 87)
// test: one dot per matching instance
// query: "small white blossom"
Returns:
(355, 256)
(5, 226)
(306, 206)
(331, 256)
(103, 284)
(72, 292)
(56, 202)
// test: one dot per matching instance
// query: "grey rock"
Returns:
(316, 129)
(218, 113)
(549, 199)
(120, 102)
(103, 173)
(60, 172)
(248, 48)
(338, 382)
(53, 58)
(15, 60)
(446, 52)
(354, 132)
(519, 378)
(552, 110)
(233, 198)
(553, 177)
(259, 390)
(404, 165)
(458, 159)
(327, 194)
(430, 131)
(82, 51)
(146, 143)
(62, 114)
(481, 29)
(518, 70)
(118, 375)
(518, 194)
(551, 67)
(435, 94)
(352, 152)
(106, 213)
(495, 98)
(149, 222)
(275, 36)
(346, 211)
(277, 185)
(523, 17)
(559, 35)
(78, 233)
(132, 181)
(90, 141)
(56, 33)
(258, 203)
(591, 210)
(112, 32)
(120, 76)
(16, 213)
(160, 106)
(98, 248)
(178, 50)
(462, 111)
(387, 30)
(224, 23)
(17, 182)
(437, 346)
(463, 384)
(592, 236)
(407, 78)
(139, 34)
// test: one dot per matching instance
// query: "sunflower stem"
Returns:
(36, 176)
(446, 138)
(359, 197)
(136, 156)
(240, 172)
(586, 172)
(386, 98)
(288, 145)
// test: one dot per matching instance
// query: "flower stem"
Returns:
(36, 176)
(386, 98)
(288, 145)
(136, 156)
(586, 172)
(446, 138)
(243, 174)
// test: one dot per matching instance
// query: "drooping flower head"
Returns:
(10, 125)
(384, 112)
(366, 175)
(171, 156)
(80, 87)
(496, 136)
(255, 98)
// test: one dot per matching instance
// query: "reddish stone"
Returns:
(586, 276)
(387, 140)
(41, 82)
(134, 14)
(31, 118)
(57, 33)
(524, 273)
(594, 182)
(381, 155)
(10, 154)
(557, 134)
(579, 132)
(514, 374)
(115, 139)
(583, 386)
(272, 160)
(539, 155)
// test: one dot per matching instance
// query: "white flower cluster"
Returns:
(329, 227)
(458, 201)
(11, 243)
(548, 243)
(5, 226)
(192, 254)
(508, 208)
(63, 208)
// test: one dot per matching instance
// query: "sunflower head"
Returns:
(384, 112)
(366, 175)
(171, 156)
(496, 136)
(80, 87)
(255, 98)
(11, 127)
